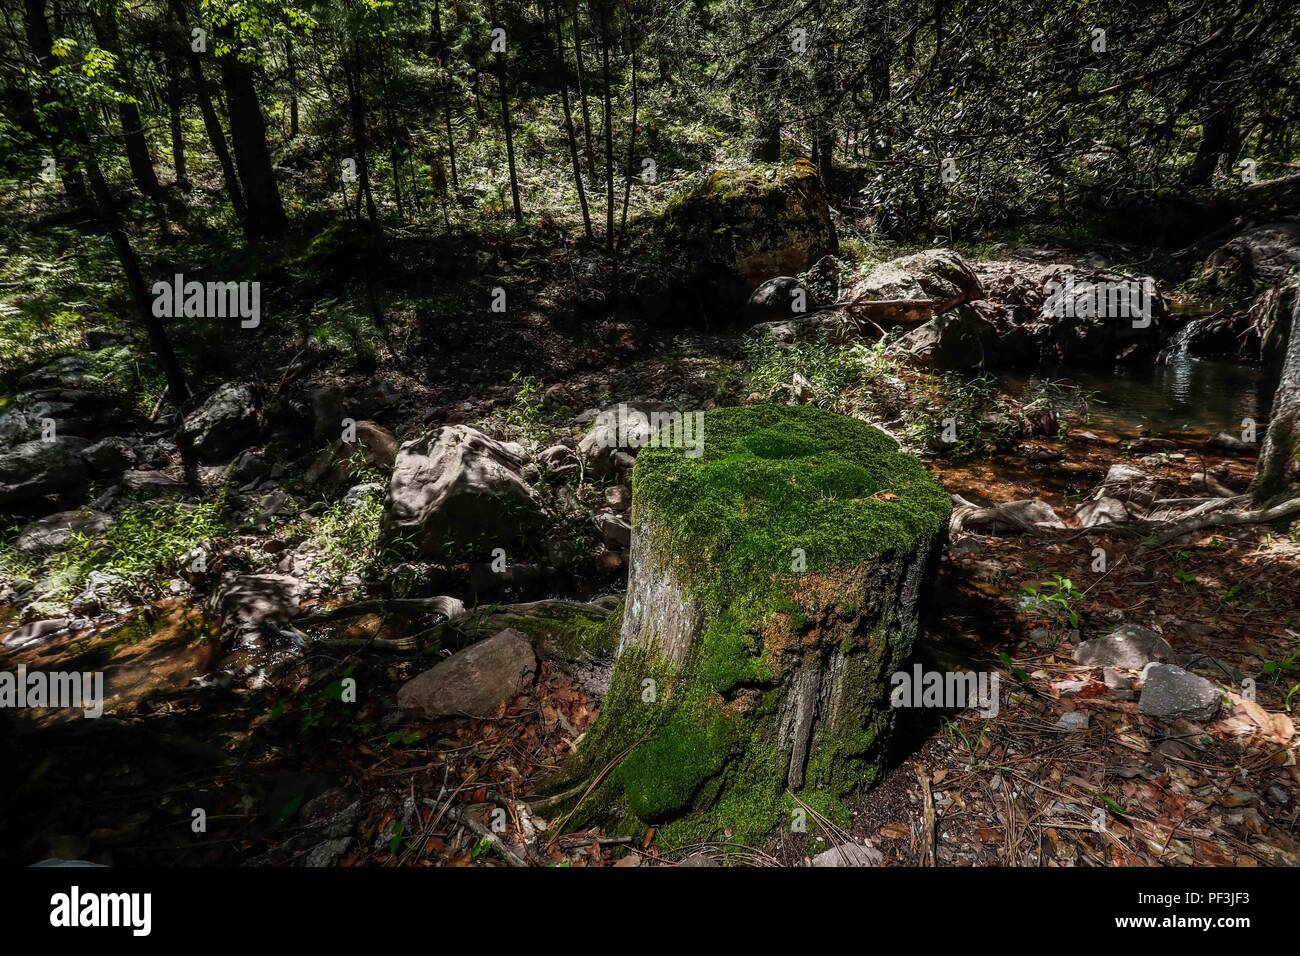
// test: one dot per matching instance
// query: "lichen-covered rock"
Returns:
(774, 588)
(223, 425)
(1257, 258)
(458, 488)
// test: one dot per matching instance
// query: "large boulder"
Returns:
(1256, 259)
(721, 239)
(960, 339)
(1098, 318)
(784, 297)
(40, 469)
(475, 681)
(225, 424)
(936, 280)
(775, 587)
(458, 488)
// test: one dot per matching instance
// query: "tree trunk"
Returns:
(568, 119)
(440, 51)
(38, 34)
(62, 122)
(608, 122)
(357, 112)
(757, 642)
(1278, 472)
(174, 120)
(211, 123)
(582, 93)
(104, 25)
(510, 138)
(252, 155)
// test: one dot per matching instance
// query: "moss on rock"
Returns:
(774, 588)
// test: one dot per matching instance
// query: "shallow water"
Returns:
(1187, 396)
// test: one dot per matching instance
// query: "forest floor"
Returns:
(1068, 772)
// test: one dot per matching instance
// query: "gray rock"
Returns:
(473, 681)
(224, 424)
(1169, 692)
(558, 460)
(35, 631)
(849, 854)
(615, 530)
(460, 488)
(1131, 646)
(619, 497)
(779, 299)
(39, 468)
(958, 339)
(939, 275)
(1072, 720)
(248, 466)
(616, 429)
(54, 531)
(151, 484)
(357, 493)
(109, 456)
(255, 603)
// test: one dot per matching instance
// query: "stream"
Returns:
(1188, 396)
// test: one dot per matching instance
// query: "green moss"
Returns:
(773, 480)
(567, 633)
(698, 756)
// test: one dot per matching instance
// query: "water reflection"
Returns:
(1187, 395)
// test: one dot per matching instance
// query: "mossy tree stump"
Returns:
(774, 587)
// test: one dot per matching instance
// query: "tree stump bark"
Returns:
(1278, 471)
(774, 588)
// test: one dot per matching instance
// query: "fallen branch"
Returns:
(467, 820)
(1219, 519)
(452, 608)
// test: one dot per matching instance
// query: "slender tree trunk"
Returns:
(505, 122)
(38, 33)
(174, 120)
(358, 115)
(607, 120)
(62, 121)
(568, 120)
(440, 50)
(158, 338)
(252, 155)
(104, 25)
(211, 122)
(582, 93)
(291, 66)
(631, 157)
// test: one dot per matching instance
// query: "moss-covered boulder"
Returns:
(774, 588)
(718, 241)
